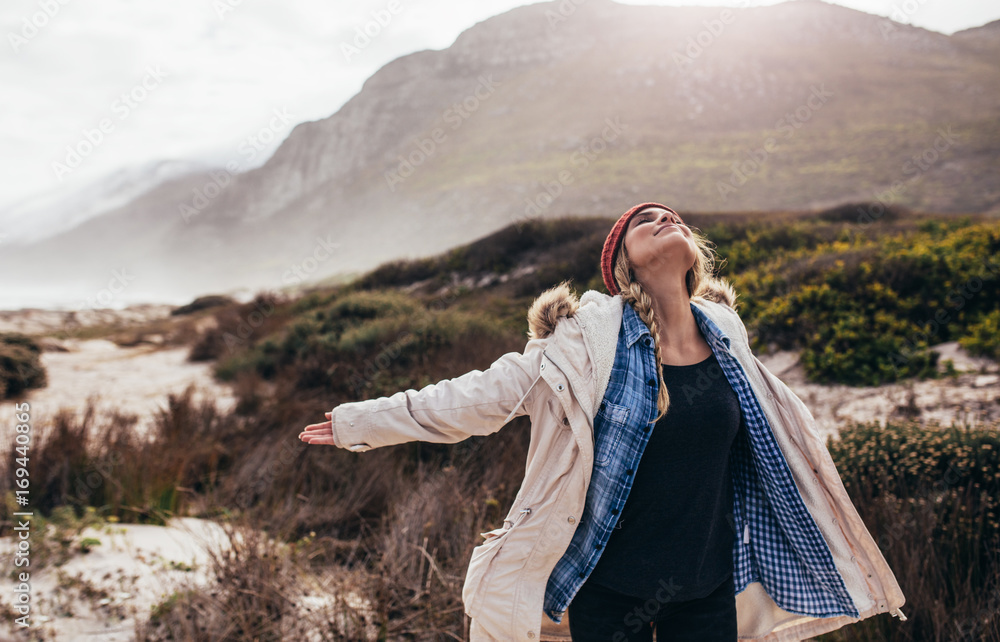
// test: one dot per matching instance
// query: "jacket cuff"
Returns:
(351, 427)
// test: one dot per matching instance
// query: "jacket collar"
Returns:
(635, 329)
(598, 317)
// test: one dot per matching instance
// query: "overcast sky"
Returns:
(201, 76)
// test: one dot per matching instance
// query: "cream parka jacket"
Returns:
(559, 380)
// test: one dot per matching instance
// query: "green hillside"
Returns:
(863, 301)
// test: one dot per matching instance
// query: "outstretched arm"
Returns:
(476, 403)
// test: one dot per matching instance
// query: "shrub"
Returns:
(866, 311)
(20, 365)
(241, 326)
(983, 337)
(203, 303)
(930, 496)
(105, 463)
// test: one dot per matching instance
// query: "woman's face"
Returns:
(658, 244)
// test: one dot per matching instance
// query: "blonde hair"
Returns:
(698, 280)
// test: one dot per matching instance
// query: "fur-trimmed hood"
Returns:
(559, 301)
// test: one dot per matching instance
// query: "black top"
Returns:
(675, 534)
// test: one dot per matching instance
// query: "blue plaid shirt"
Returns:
(778, 543)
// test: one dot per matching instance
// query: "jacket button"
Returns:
(565, 421)
(559, 387)
(541, 367)
(597, 545)
(571, 519)
(614, 511)
(646, 341)
(531, 634)
(652, 382)
(629, 471)
(581, 575)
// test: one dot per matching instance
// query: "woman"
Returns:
(735, 522)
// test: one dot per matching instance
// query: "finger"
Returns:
(307, 436)
(317, 440)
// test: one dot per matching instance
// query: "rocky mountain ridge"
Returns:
(518, 118)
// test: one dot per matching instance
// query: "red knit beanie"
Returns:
(610, 253)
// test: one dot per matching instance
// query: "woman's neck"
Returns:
(679, 333)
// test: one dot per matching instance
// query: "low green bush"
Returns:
(983, 338)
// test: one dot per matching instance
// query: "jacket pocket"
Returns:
(482, 561)
(498, 532)
(608, 428)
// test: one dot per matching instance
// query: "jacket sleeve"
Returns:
(476, 403)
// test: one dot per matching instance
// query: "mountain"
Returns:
(558, 108)
(46, 214)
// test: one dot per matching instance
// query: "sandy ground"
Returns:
(98, 596)
(135, 380)
(38, 321)
(972, 397)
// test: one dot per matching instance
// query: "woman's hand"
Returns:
(319, 433)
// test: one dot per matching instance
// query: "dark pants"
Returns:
(597, 614)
